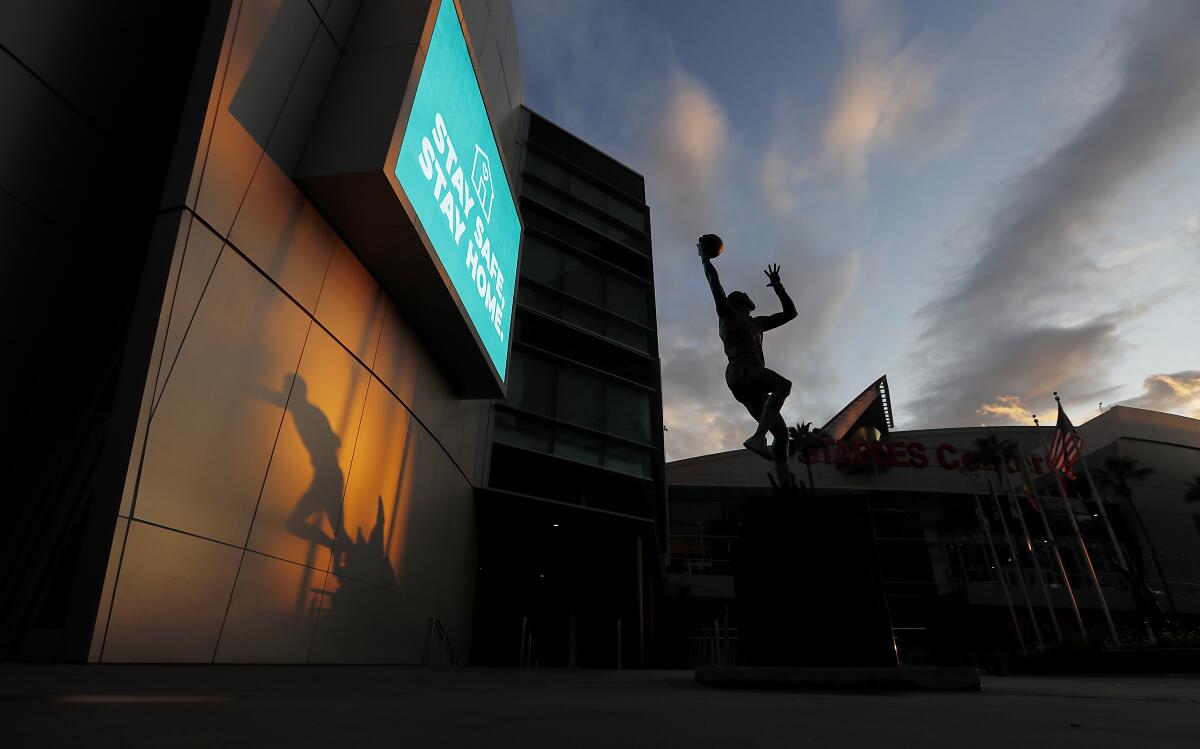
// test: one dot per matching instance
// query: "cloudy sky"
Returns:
(985, 201)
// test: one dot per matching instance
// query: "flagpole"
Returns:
(1031, 491)
(1037, 566)
(1087, 557)
(987, 532)
(1016, 560)
(1100, 501)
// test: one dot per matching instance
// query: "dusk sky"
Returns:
(984, 201)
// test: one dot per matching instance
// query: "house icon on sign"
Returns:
(481, 178)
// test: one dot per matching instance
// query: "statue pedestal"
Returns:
(808, 584)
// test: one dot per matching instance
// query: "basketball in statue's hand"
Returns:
(711, 246)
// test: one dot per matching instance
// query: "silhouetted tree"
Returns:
(995, 453)
(802, 441)
(1118, 472)
(1193, 489)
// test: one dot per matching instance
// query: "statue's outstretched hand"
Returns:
(772, 272)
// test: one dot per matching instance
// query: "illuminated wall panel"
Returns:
(170, 599)
(264, 292)
(110, 581)
(374, 510)
(362, 623)
(173, 231)
(394, 363)
(281, 232)
(212, 433)
(351, 304)
(196, 265)
(438, 537)
(298, 514)
(272, 613)
(269, 43)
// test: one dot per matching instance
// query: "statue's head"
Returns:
(741, 302)
(299, 387)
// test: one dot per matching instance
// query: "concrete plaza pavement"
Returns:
(293, 706)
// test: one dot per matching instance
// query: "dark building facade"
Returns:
(264, 254)
(575, 484)
(965, 569)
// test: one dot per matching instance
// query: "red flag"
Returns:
(1065, 445)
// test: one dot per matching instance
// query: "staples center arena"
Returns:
(924, 491)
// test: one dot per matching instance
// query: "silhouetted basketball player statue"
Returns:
(322, 501)
(761, 390)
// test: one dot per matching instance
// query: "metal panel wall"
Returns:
(300, 488)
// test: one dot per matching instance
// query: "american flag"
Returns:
(1065, 445)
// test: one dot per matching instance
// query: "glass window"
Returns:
(532, 384)
(512, 429)
(546, 196)
(581, 398)
(588, 218)
(625, 236)
(577, 445)
(542, 301)
(543, 263)
(627, 459)
(628, 334)
(627, 411)
(627, 212)
(587, 192)
(583, 280)
(627, 298)
(564, 232)
(546, 169)
(584, 317)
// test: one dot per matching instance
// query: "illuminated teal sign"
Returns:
(450, 169)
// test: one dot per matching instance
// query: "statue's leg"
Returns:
(779, 451)
(779, 388)
(764, 394)
(754, 403)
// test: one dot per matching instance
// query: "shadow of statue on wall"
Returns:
(365, 558)
(358, 557)
(321, 502)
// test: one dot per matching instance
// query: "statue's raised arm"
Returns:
(770, 322)
(708, 247)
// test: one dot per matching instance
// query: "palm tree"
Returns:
(1118, 472)
(1122, 469)
(802, 441)
(1193, 489)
